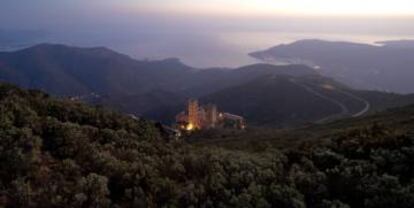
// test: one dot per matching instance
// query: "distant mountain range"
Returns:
(385, 67)
(265, 94)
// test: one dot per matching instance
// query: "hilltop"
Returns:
(385, 67)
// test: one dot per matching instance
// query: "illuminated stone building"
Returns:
(194, 113)
(207, 117)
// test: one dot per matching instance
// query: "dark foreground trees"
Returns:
(64, 154)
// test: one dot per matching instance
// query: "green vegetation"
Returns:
(256, 139)
(158, 90)
(64, 154)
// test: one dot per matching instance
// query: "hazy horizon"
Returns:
(217, 33)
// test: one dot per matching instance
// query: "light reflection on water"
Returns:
(202, 49)
(231, 49)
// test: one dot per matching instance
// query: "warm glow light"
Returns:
(189, 127)
(287, 7)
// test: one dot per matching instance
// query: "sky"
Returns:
(53, 13)
(23, 9)
(202, 33)
(281, 7)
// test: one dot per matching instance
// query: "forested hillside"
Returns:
(64, 154)
(158, 90)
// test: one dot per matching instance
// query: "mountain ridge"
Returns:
(363, 66)
(156, 89)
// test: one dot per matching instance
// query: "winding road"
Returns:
(344, 109)
(366, 103)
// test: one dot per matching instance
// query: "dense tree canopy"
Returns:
(64, 154)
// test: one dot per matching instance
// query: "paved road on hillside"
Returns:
(366, 103)
(344, 111)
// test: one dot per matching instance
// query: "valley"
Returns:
(159, 89)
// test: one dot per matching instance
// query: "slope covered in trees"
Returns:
(64, 154)
(159, 89)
